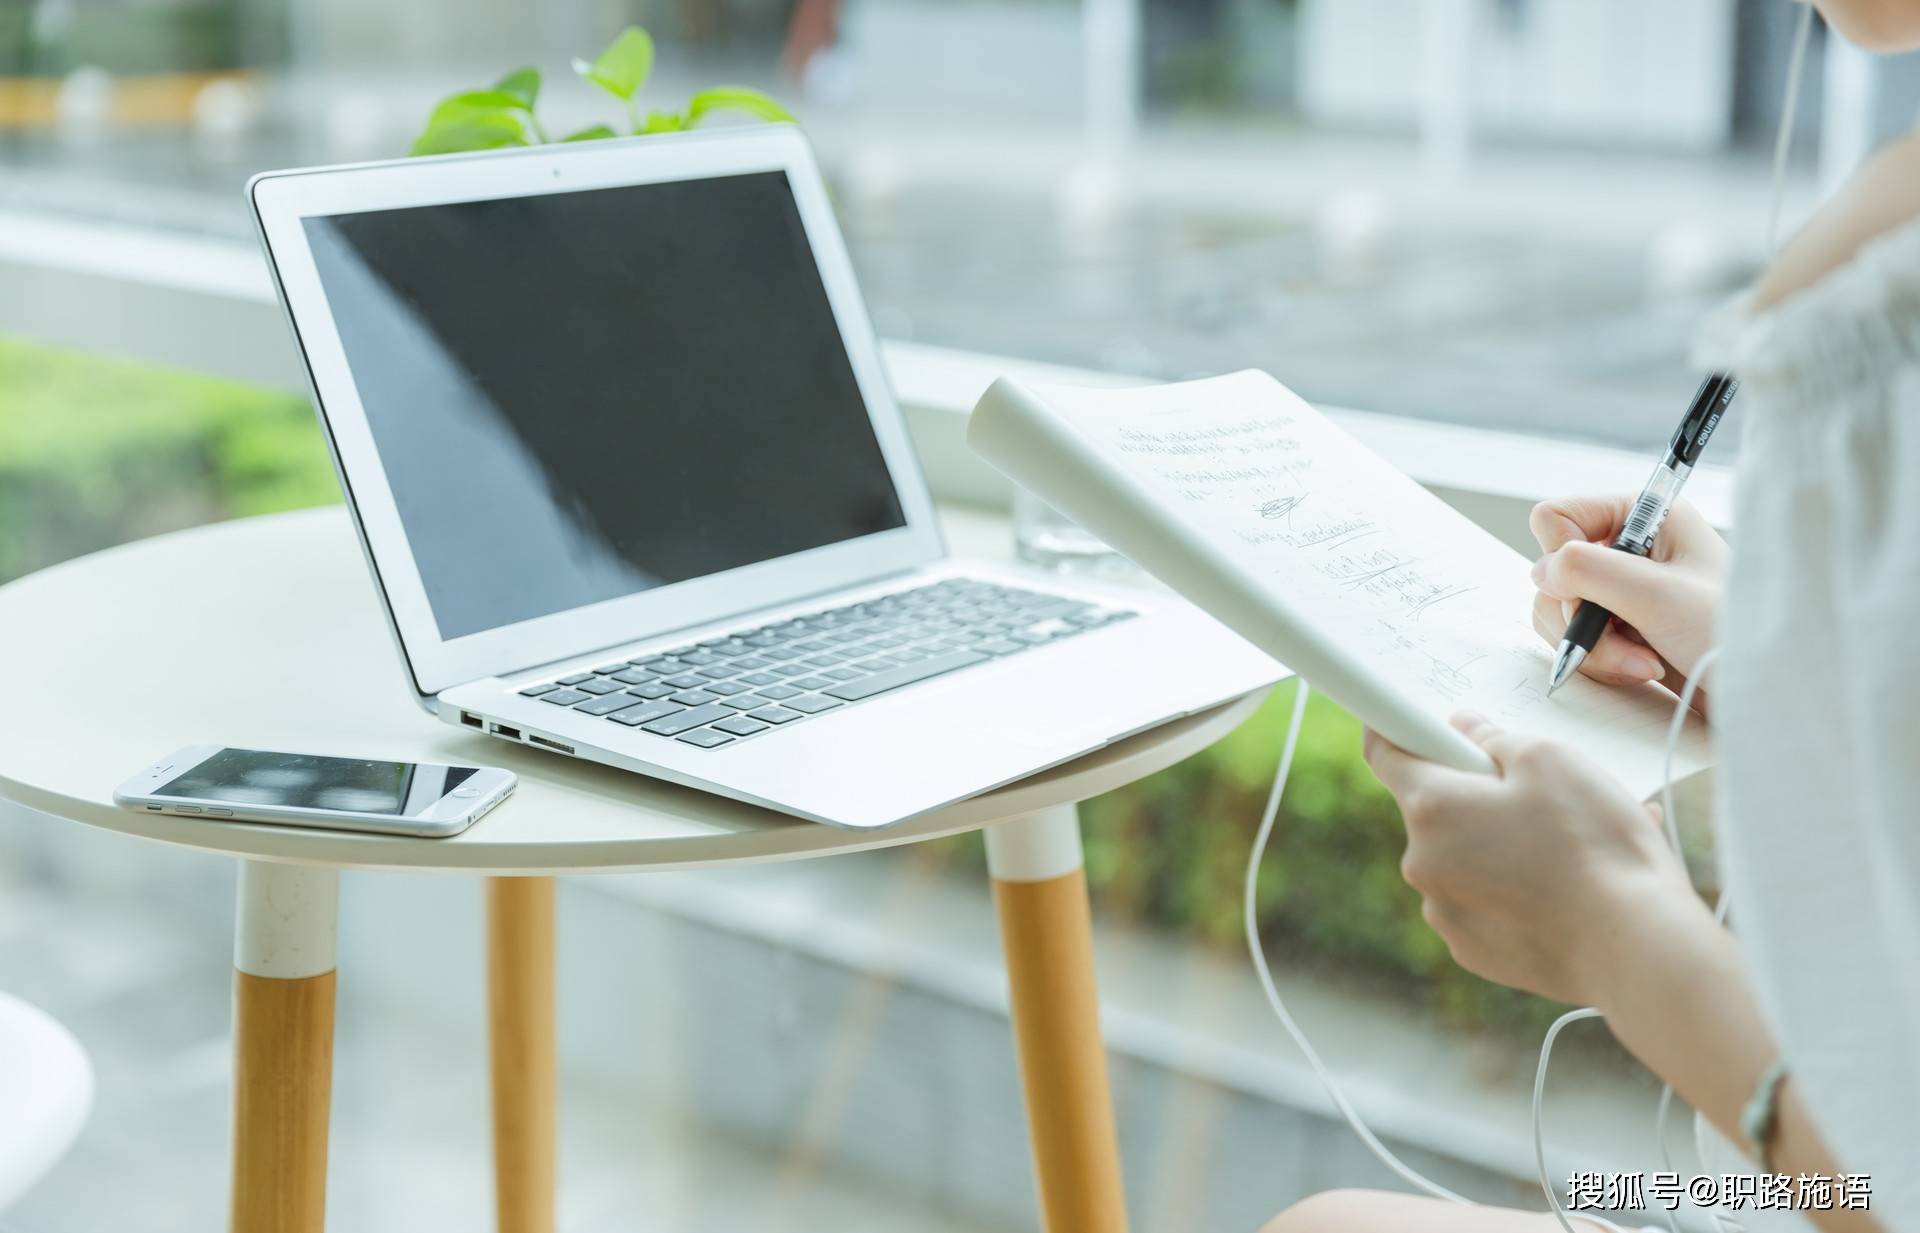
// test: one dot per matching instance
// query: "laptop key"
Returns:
(744, 702)
(694, 697)
(674, 725)
(843, 674)
(811, 704)
(740, 725)
(777, 693)
(534, 691)
(686, 680)
(576, 678)
(645, 713)
(605, 705)
(726, 689)
(653, 690)
(813, 682)
(700, 657)
(610, 669)
(707, 738)
(776, 714)
(599, 685)
(565, 697)
(792, 670)
(761, 678)
(752, 663)
(906, 674)
(634, 676)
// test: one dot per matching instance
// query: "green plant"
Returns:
(503, 114)
(95, 451)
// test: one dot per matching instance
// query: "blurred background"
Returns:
(1494, 214)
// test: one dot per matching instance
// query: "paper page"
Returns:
(1359, 554)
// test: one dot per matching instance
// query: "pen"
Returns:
(1649, 511)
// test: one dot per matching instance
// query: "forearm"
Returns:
(1683, 1006)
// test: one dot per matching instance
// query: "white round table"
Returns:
(266, 633)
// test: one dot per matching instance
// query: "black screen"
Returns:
(351, 785)
(584, 395)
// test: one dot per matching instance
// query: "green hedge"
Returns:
(94, 452)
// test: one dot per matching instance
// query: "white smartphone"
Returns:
(421, 799)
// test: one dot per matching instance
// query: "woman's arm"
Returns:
(1680, 1002)
(1547, 876)
(1882, 195)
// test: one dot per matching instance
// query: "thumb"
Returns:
(1633, 588)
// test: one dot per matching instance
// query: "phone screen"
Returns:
(305, 781)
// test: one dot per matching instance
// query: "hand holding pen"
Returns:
(1636, 537)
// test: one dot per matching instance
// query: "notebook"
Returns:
(1240, 496)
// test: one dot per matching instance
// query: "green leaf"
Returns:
(664, 122)
(595, 133)
(522, 84)
(624, 66)
(476, 131)
(470, 103)
(735, 98)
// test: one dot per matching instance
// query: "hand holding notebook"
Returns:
(1237, 494)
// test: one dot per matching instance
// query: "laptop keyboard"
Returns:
(720, 690)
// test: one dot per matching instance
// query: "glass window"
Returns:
(1496, 212)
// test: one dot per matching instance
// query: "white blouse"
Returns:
(1817, 701)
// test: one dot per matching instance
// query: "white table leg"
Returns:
(283, 984)
(1047, 933)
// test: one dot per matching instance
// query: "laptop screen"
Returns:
(583, 395)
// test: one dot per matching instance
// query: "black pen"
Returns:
(1643, 523)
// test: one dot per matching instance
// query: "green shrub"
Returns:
(96, 451)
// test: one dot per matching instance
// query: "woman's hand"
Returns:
(1666, 606)
(1546, 876)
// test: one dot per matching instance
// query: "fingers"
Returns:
(1633, 588)
(1597, 520)
(1569, 520)
(1499, 744)
(1615, 660)
(1406, 776)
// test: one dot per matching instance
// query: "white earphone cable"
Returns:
(1251, 920)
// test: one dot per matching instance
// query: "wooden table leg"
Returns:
(283, 959)
(1047, 933)
(520, 1007)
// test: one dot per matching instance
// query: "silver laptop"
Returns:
(615, 431)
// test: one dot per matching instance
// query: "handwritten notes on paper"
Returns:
(1353, 550)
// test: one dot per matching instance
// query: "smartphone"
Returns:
(421, 799)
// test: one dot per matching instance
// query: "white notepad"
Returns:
(1241, 497)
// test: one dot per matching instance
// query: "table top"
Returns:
(267, 633)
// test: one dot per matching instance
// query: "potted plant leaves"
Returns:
(504, 115)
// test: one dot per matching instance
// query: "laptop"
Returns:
(615, 432)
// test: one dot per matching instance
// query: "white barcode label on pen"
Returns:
(1644, 523)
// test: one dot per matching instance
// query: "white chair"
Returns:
(46, 1088)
